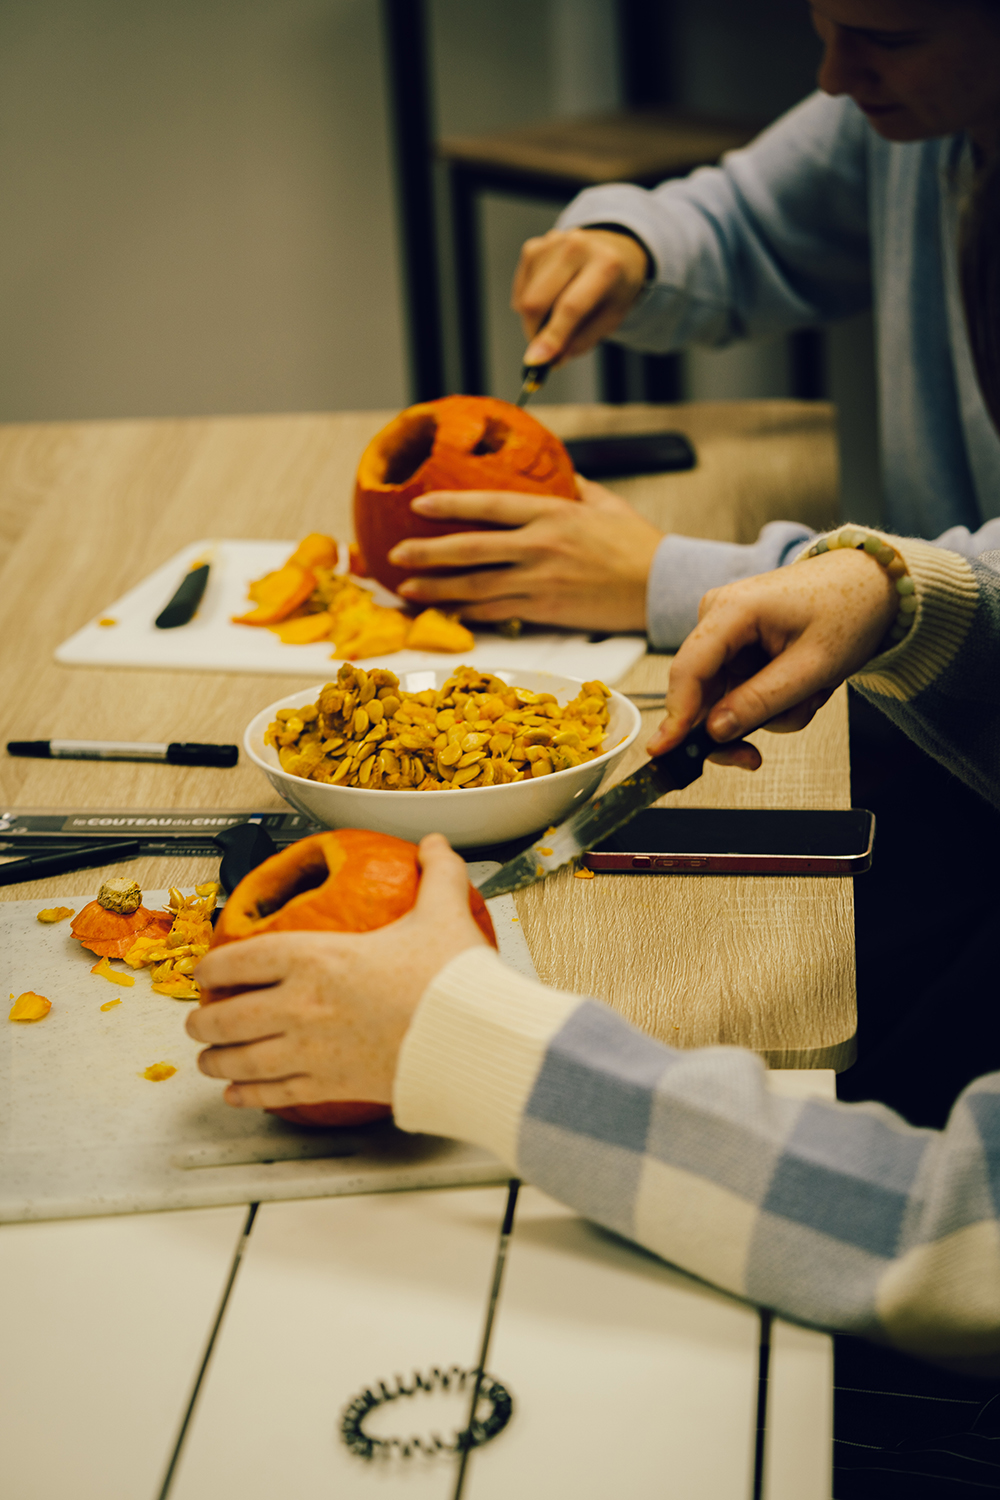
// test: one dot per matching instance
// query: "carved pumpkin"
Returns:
(347, 880)
(457, 443)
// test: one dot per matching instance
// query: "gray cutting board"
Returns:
(82, 1132)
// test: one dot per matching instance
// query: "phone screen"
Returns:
(709, 830)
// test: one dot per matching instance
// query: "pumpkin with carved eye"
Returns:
(457, 443)
(345, 880)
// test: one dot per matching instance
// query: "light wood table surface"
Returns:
(106, 1322)
(88, 509)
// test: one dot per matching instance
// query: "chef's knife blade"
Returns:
(182, 607)
(598, 819)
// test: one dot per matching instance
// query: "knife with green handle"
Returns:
(599, 819)
(182, 607)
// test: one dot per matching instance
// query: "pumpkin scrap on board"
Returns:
(347, 880)
(169, 943)
(474, 731)
(29, 1007)
(307, 600)
(110, 924)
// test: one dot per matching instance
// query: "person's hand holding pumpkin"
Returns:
(328, 1010)
(584, 566)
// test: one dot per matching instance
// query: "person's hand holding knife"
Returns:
(574, 287)
(768, 651)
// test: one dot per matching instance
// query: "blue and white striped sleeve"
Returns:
(838, 1215)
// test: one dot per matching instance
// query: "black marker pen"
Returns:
(175, 754)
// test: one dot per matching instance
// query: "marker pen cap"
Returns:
(222, 756)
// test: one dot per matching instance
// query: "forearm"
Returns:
(837, 1215)
(774, 238)
(685, 568)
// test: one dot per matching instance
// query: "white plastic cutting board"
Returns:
(212, 643)
(83, 1132)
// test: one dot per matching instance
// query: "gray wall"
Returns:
(197, 209)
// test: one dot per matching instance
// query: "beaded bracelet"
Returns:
(892, 561)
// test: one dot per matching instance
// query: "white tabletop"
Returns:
(622, 1370)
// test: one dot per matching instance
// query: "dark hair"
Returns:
(981, 286)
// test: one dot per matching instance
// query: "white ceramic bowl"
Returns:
(469, 817)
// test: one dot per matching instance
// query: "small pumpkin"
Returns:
(457, 443)
(109, 925)
(344, 880)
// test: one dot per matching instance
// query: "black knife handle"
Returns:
(36, 867)
(181, 608)
(686, 761)
(244, 846)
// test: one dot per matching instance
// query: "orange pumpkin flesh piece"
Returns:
(278, 594)
(110, 934)
(346, 880)
(316, 551)
(457, 443)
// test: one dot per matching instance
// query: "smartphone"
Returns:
(738, 841)
(624, 453)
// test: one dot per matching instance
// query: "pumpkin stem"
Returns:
(120, 895)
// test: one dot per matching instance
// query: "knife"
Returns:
(599, 819)
(533, 377)
(182, 607)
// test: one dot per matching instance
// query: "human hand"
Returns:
(581, 565)
(768, 651)
(579, 283)
(325, 1013)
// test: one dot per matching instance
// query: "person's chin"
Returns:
(895, 123)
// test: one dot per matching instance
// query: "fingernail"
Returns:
(409, 587)
(538, 352)
(398, 554)
(424, 503)
(659, 739)
(723, 725)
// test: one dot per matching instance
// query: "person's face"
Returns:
(917, 68)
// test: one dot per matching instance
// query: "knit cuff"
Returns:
(472, 1053)
(947, 596)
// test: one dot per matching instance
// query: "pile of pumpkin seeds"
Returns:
(474, 731)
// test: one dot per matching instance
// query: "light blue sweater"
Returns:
(817, 219)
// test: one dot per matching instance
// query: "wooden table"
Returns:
(87, 509)
(107, 1322)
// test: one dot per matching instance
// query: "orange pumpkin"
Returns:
(457, 443)
(346, 880)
